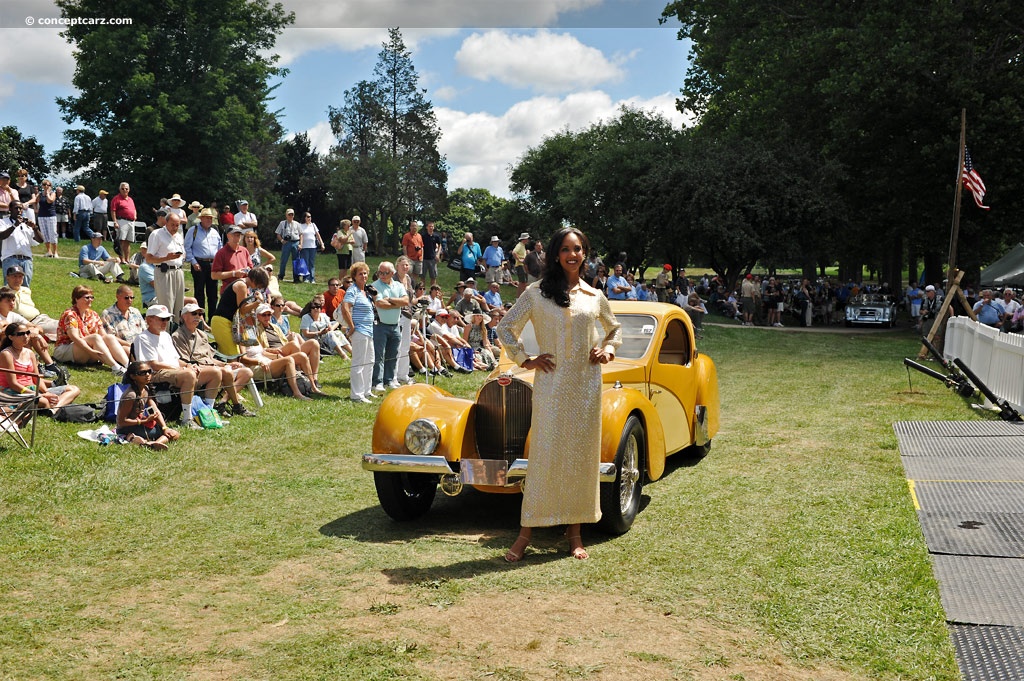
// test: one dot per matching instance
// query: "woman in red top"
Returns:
(81, 338)
(18, 370)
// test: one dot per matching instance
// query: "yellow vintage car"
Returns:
(660, 398)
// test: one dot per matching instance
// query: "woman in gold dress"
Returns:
(565, 430)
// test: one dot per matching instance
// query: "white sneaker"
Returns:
(362, 399)
(394, 384)
(118, 370)
(379, 388)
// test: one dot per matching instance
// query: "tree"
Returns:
(22, 152)
(302, 182)
(875, 89)
(388, 137)
(178, 100)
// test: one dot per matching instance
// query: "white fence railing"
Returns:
(997, 358)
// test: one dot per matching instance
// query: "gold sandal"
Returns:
(511, 556)
(577, 552)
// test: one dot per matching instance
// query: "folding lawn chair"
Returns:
(15, 410)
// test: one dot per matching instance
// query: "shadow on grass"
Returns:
(489, 520)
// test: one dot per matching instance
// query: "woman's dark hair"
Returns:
(13, 327)
(259, 276)
(309, 305)
(553, 283)
(132, 370)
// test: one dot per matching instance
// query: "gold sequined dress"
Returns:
(562, 486)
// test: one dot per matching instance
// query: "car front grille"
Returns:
(503, 419)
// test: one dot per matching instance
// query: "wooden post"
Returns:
(955, 229)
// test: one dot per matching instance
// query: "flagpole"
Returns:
(955, 229)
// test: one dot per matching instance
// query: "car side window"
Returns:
(675, 347)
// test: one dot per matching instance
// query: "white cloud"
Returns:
(481, 147)
(45, 57)
(321, 137)
(545, 61)
(445, 93)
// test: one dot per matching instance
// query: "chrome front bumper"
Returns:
(470, 471)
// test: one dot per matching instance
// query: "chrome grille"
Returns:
(503, 419)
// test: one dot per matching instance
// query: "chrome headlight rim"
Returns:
(422, 437)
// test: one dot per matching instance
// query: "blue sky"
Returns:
(501, 75)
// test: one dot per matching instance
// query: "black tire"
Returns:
(405, 496)
(620, 500)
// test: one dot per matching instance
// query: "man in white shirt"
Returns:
(17, 236)
(288, 234)
(243, 218)
(154, 345)
(99, 213)
(362, 240)
(166, 252)
(82, 210)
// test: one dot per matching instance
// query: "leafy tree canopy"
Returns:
(176, 102)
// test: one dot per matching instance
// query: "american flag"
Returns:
(972, 180)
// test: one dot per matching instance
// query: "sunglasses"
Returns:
(264, 314)
(144, 372)
(314, 305)
(89, 297)
(127, 297)
(278, 304)
(19, 334)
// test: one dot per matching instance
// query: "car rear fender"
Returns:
(707, 391)
(453, 416)
(617, 405)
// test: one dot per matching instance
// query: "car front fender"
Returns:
(616, 406)
(452, 415)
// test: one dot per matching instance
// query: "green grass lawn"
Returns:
(259, 551)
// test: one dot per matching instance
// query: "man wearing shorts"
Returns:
(412, 243)
(122, 209)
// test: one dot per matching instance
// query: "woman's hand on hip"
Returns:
(600, 356)
(542, 363)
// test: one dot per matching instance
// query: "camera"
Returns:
(163, 267)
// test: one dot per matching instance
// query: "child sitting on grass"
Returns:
(138, 418)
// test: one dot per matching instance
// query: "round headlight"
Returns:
(422, 436)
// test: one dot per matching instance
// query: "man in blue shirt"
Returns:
(493, 295)
(95, 263)
(469, 253)
(201, 244)
(617, 285)
(988, 311)
(494, 256)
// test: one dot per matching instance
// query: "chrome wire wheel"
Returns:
(629, 472)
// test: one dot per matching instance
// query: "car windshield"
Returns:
(637, 332)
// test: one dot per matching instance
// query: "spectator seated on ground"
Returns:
(268, 363)
(468, 304)
(121, 319)
(492, 297)
(475, 333)
(193, 347)
(289, 344)
(695, 308)
(95, 263)
(16, 355)
(138, 419)
(423, 355)
(146, 273)
(273, 290)
(36, 340)
(316, 325)
(81, 338)
(24, 306)
(436, 335)
(154, 345)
